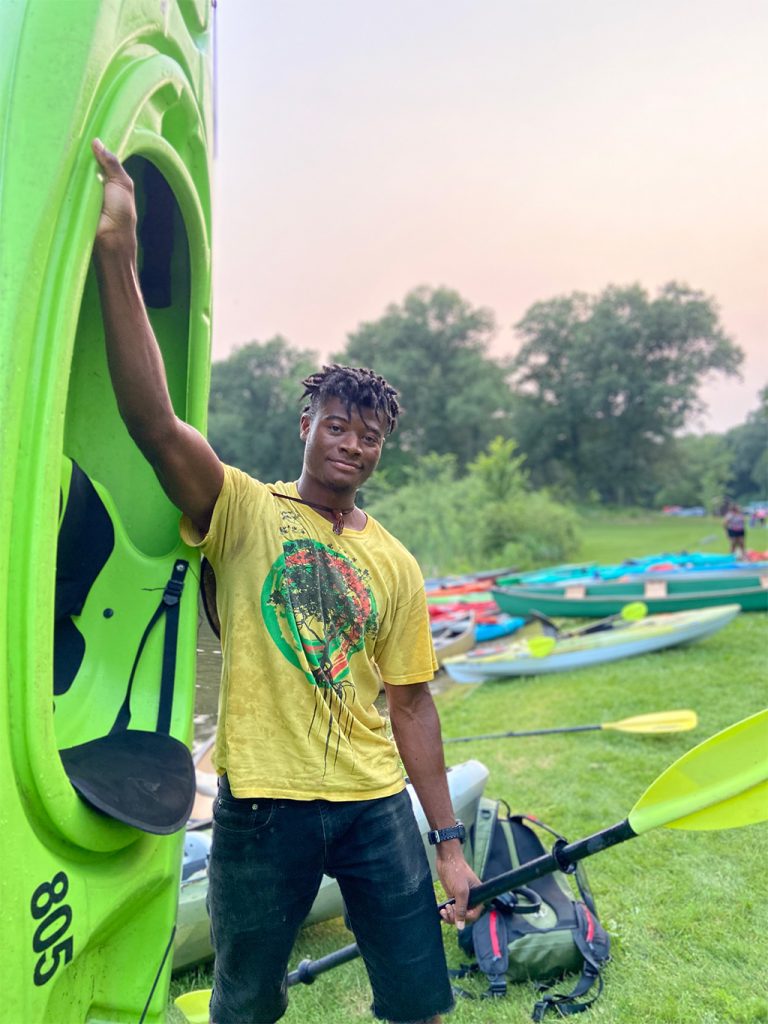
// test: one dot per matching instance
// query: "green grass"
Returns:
(687, 912)
(612, 537)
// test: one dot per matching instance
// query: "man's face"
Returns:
(342, 447)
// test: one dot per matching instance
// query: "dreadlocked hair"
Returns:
(355, 386)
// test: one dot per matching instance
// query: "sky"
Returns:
(514, 150)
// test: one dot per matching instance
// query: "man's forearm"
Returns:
(416, 729)
(133, 355)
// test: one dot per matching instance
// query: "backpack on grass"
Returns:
(538, 932)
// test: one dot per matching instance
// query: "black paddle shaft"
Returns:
(526, 732)
(563, 857)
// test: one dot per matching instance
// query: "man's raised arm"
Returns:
(187, 467)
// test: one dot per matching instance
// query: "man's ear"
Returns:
(304, 424)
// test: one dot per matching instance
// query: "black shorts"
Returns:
(267, 861)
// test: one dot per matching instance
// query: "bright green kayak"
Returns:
(88, 900)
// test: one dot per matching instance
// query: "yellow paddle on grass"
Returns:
(722, 783)
(680, 720)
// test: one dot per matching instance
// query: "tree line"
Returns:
(595, 400)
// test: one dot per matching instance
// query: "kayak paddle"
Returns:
(721, 783)
(541, 646)
(655, 722)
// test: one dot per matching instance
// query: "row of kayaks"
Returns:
(679, 563)
(685, 563)
(665, 583)
(192, 942)
(683, 597)
(459, 632)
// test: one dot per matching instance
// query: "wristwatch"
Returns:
(441, 835)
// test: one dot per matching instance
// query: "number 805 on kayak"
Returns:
(55, 917)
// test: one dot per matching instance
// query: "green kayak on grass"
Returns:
(594, 600)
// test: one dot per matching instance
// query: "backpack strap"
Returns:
(490, 937)
(485, 818)
(539, 824)
(593, 943)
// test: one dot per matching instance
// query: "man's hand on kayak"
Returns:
(117, 223)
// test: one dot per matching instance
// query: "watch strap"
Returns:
(442, 835)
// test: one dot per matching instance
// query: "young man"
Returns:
(317, 604)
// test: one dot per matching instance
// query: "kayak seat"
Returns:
(141, 776)
(86, 540)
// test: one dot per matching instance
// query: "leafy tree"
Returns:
(499, 470)
(607, 381)
(433, 349)
(432, 513)
(748, 446)
(484, 519)
(254, 407)
(518, 526)
(696, 472)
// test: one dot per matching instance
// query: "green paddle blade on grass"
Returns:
(721, 783)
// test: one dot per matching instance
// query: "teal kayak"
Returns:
(678, 565)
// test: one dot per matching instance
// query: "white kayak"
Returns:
(621, 640)
(192, 943)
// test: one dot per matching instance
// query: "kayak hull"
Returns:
(625, 640)
(89, 900)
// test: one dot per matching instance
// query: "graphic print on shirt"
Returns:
(319, 609)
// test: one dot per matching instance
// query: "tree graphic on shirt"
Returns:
(319, 609)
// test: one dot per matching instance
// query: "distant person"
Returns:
(735, 530)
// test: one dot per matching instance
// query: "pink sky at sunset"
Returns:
(514, 150)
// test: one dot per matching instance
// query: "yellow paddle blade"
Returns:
(657, 721)
(721, 783)
(194, 1005)
(541, 646)
(634, 611)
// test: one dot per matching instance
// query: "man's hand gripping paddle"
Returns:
(722, 783)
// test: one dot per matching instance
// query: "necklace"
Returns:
(337, 513)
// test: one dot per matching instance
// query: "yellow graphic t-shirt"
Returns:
(310, 624)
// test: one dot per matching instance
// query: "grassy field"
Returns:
(686, 912)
